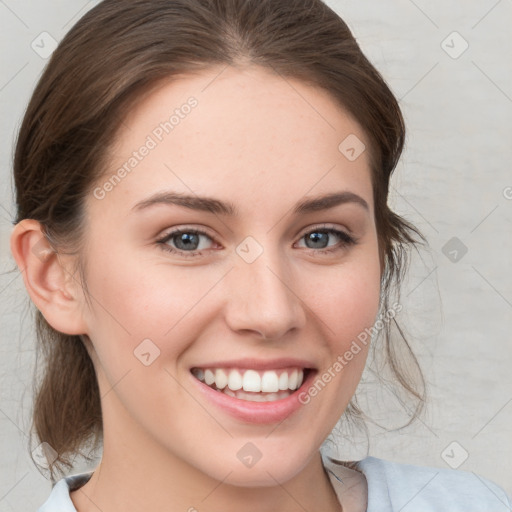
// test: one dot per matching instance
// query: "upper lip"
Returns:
(259, 364)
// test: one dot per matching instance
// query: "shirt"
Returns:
(392, 487)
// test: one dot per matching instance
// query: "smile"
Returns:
(252, 385)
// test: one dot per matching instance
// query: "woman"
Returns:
(203, 224)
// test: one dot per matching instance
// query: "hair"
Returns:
(113, 56)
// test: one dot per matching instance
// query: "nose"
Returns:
(262, 298)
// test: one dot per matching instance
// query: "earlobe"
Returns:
(50, 284)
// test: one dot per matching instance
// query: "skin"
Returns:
(263, 143)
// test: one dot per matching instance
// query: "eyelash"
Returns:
(346, 240)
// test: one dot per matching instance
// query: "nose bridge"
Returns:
(263, 298)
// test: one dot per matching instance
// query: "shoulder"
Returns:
(409, 487)
(59, 499)
(394, 486)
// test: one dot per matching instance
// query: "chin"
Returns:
(262, 476)
(272, 468)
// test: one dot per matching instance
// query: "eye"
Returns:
(187, 241)
(317, 239)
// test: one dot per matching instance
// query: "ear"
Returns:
(48, 278)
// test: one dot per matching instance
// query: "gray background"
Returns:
(454, 182)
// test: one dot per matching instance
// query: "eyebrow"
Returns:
(216, 206)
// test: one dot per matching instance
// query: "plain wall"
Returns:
(454, 182)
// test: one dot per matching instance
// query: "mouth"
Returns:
(247, 384)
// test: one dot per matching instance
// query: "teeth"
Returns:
(233, 380)
(292, 380)
(209, 377)
(221, 379)
(270, 382)
(252, 381)
(283, 381)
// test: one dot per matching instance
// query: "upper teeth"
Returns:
(268, 381)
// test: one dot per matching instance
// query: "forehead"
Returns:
(243, 133)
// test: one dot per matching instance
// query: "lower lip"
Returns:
(256, 412)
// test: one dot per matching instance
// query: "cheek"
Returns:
(137, 300)
(347, 300)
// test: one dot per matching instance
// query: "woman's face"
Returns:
(268, 289)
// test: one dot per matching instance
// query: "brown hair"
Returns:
(117, 52)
